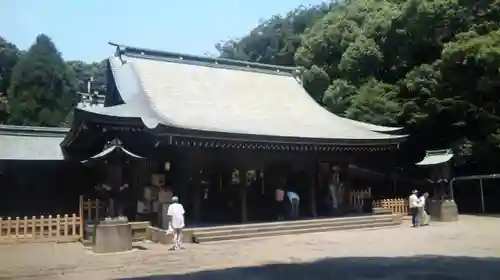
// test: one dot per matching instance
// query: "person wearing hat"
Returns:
(414, 208)
(175, 215)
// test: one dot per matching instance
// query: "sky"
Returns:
(81, 29)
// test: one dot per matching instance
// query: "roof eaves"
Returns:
(33, 130)
(395, 140)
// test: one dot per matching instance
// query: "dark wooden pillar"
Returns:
(243, 194)
(313, 186)
(196, 195)
(346, 181)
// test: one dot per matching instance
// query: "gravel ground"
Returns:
(468, 249)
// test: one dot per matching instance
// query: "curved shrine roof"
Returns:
(229, 97)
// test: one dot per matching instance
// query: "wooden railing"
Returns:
(41, 229)
(91, 209)
(397, 205)
(357, 197)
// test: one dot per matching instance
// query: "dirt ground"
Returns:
(468, 249)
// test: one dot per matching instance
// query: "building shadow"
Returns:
(428, 267)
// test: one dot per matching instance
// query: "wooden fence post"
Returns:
(65, 225)
(58, 226)
(42, 226)
(17, 227)
(8, 226)
(50, 227)
(25, 227)
(33, 227)
(97, 204)
(80, 209)
(73, 225)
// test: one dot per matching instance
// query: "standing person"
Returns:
(424, 211)
(176, 222)
(280, 203)
(414, 207)
(294, 202)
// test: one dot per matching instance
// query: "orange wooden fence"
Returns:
(397, 205)
(41, 229)
(91, 209)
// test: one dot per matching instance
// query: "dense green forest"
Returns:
(37, 87)
(429, 66)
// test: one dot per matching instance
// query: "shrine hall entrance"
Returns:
(217, 198)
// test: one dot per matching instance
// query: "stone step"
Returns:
(380, 210)
(199, 234)
(289, 223)
(243, 231)
(366, 225)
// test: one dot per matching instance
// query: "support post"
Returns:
(312, 187)
(243, 194)
(482, 195)
(347, 188)
(80, 213)
(452, 191)
(196, 183)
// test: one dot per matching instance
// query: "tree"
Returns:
(431, 66)
(275, 40)
(84, 71)
(9, 55)
(42, 87)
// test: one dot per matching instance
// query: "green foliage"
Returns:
(374, 103)
(85, 71)
(9, 55)
(429, 65)
(42, 88)
(275, 40)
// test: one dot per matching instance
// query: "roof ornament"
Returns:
(298, 73)
(118, 51)
(113, 143)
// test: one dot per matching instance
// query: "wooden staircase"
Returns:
(259, 230)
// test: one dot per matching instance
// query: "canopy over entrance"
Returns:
(112, 150)
(436, 157)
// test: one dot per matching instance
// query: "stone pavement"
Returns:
(468, 249)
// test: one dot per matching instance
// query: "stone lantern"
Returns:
(442, 207)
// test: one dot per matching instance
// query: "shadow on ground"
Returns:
(400, 268)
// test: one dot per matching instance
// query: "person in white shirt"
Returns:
(414, 208)
(424, 216)
(175, 215)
